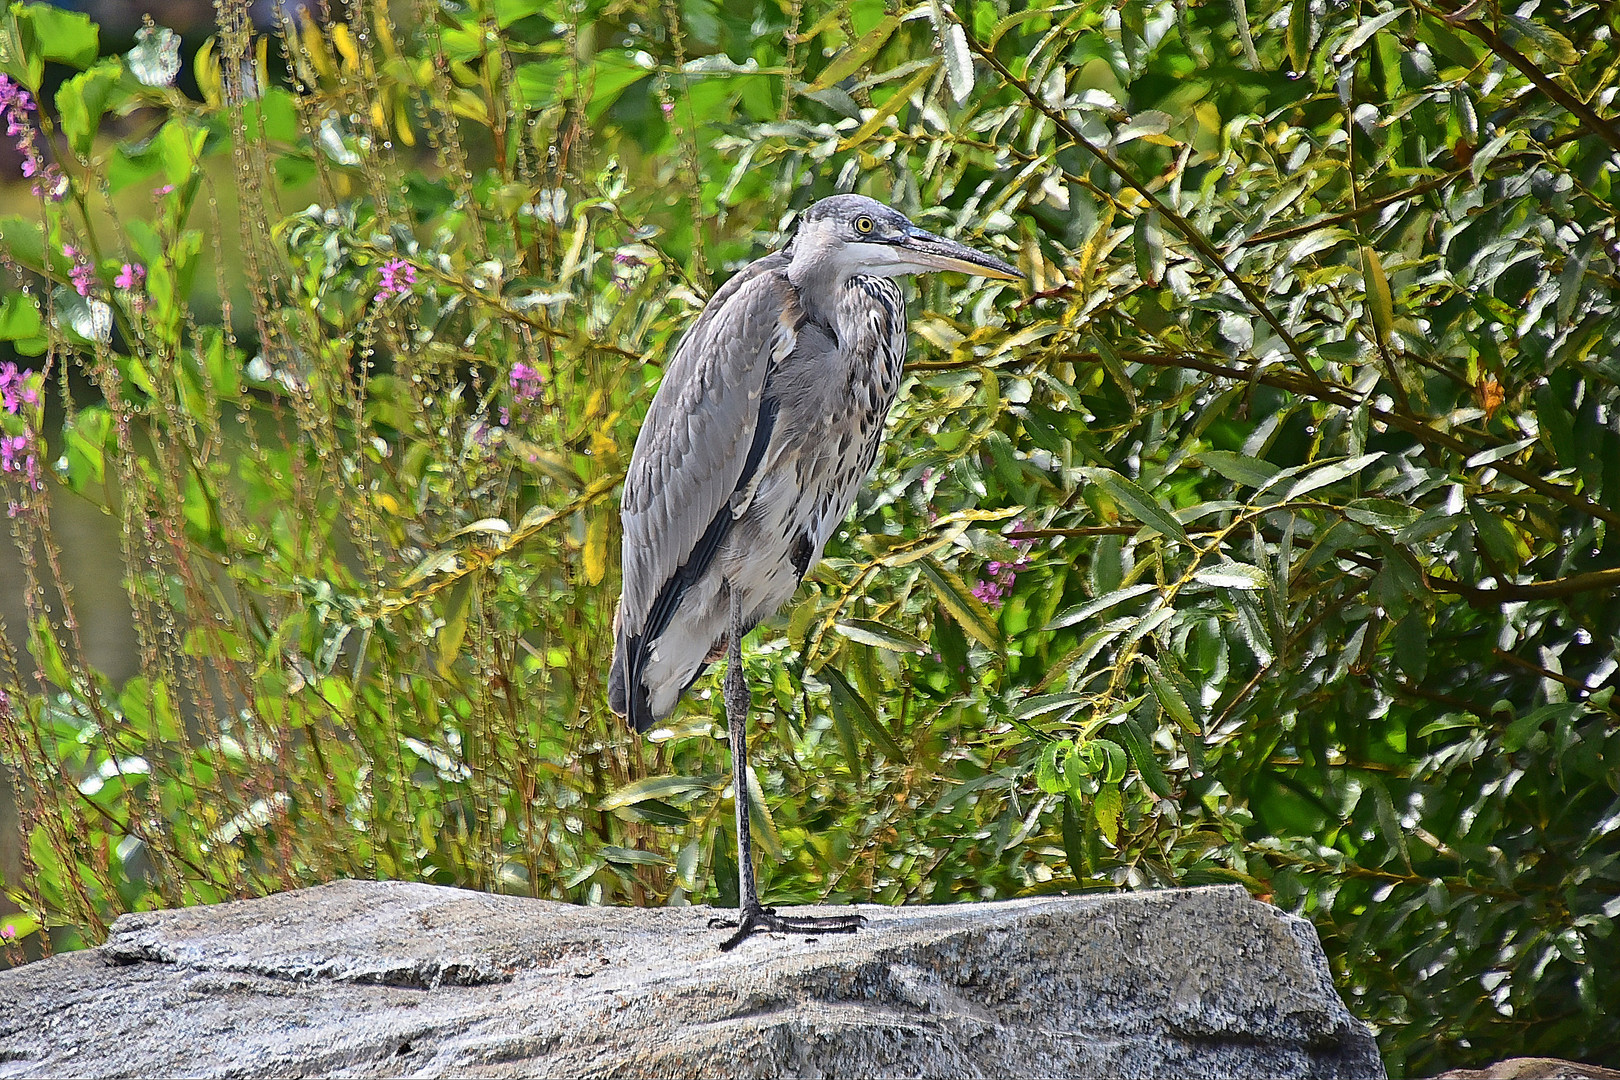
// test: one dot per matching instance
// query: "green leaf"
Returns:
(848, 700)
(1500, 539)
(1170, 698)
(1142, 753)
(67, 37)
(953, 49)
(454, 627)
(1549, 42)
(1331, 473)
(893, 104)
(1105, 808)
(876, 634)
(850, 60)
(1144, 507)
(1048, 776)
(1411, 642)
(19, 317)
(1082, 612)
(1240, 468)
(1232, 575)
(1148, 244)
(658, 787)
(1301, 31)
(624, 856)
(1364, 32)
(970, 614)
(81, 102)
(86, 436)
(1385, 514)
(1380, 304)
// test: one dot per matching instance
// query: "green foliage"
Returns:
(1268, 537)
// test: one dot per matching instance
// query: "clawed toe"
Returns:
(763, 919)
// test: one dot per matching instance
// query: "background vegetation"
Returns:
(1269, 536)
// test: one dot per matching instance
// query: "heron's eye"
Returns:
(863, 225)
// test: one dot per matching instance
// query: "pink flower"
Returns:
(526, 382)
(132, 276)
(15, 456)
(80, 273)
(53, 184)
(993, 590)
(16, 103)
(398, 279)
(16, 389)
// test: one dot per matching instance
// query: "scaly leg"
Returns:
(751, 915)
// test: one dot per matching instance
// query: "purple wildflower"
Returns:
(53, 184)
(16, 387)
(16, 455)
(993, 590)
(131, 276)
(398, 279)
(526, 382)
(80, 272)
(16, 103)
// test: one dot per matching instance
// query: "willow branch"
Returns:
(1181, 224)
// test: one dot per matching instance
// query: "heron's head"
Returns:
(851, 234)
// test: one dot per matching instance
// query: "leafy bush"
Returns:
(1267, 538)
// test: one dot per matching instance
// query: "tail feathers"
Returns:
(627, 689)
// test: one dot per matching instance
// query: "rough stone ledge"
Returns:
(363, 978)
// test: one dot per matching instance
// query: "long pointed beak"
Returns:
(937, 253)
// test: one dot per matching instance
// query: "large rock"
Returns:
(382, 979)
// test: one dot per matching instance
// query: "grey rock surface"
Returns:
(388, 979)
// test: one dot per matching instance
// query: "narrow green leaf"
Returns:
(1048, 777)
(1170, 698)
(1301, 29)
(1553, 45)
(1380, 304)
(1041, 704)
(847, 62)
(1142, 753)
(1148, 244)
(1240, 468)
(1364, 33)
(613, 853)
(657, 787)
(970, 614)
(894, 103)
(1232, 575)
(847, 699)
(1105, 807)
(1082, 612)
(1386, 514)
(953, 49)
(1144, 507)
(1331, 473)
(876, 634)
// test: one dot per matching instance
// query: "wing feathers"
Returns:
(704, 439)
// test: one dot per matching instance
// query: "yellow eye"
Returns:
(863, 225)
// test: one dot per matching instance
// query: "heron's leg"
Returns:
(751, 915)
(737, 703)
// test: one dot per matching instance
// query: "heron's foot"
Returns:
(754, 920)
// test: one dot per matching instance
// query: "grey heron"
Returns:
(768, 418)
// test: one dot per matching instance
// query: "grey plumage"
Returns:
(769, 417)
